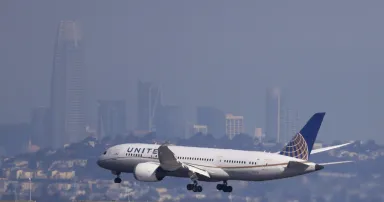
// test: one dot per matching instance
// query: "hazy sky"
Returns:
(327, 56)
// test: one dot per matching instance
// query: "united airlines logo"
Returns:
(296, 148)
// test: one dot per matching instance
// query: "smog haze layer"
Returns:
(326, 56)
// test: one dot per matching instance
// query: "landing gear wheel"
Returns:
(194, 187)
(190, 187)
(197, 188)
(220, 187)
(117, 173)
(224, 187)
(227, 189)
(117, 180)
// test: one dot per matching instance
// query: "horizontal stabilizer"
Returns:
(334, 163)
(315, 151)
(297, 165)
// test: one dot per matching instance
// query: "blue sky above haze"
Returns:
(327, 56)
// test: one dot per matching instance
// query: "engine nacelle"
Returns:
(148, 172)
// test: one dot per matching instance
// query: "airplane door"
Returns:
(219, 160)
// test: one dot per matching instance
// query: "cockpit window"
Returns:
(105, 153)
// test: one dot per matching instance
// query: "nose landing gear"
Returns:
(117, 179)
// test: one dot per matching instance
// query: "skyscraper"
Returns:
(170, 123)
(213, 118)
(203, 129)
(149, 101)
(40, 123)
(234, 125)
(273, 115)
(68, 86)
(291, 124)
(111, 118)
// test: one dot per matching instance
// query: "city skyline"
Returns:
(225, 59)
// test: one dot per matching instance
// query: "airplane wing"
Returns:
(315, 151)
(169, 162)
(195, 169)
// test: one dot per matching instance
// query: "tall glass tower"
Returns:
(273, 115)
(68, 86)
(111, 118)
(149, 102)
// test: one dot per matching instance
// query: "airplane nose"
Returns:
(100, 161)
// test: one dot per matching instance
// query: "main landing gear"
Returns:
(117, 179)
(194, 187)
(224, 187)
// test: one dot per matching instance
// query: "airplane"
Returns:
(154, 162)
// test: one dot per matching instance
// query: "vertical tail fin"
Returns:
(301, 144)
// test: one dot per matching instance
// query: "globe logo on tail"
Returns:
(296, 148)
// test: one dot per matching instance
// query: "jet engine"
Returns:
(148, 172)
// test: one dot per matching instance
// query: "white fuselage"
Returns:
(222, 164)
